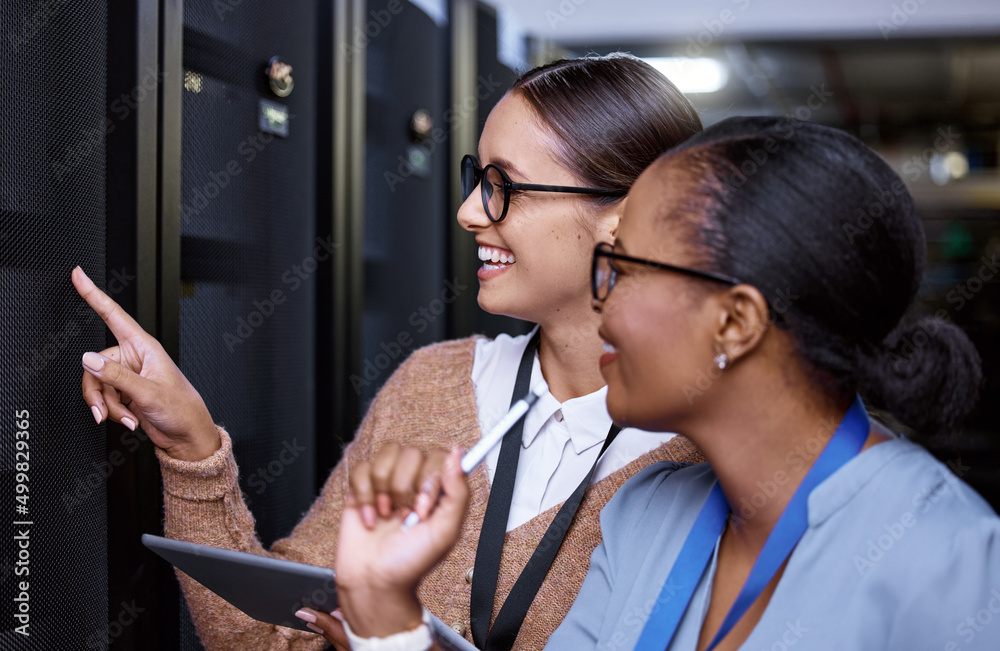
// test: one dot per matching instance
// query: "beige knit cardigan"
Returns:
(429, 402)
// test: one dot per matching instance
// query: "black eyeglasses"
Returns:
(496, 187)
(603, 273)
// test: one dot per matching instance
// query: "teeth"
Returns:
(494, 255)
(608, 348)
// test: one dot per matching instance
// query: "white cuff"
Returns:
(419, 639)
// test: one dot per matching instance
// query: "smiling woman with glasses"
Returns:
(581, 131)
(559, 154)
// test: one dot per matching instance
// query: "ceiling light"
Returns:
(692, 75)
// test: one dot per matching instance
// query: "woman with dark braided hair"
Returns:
(811, 526)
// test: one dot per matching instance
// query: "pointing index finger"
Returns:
(118, 320)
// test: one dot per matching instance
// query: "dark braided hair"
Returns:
(827, 231)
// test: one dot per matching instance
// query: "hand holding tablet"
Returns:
(268, 589)
(273, 590)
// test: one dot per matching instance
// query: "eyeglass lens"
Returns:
(494, 198)
(492, 186)
(470, 176)
(602, 276)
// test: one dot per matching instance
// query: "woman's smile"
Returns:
(495, 261)
(610, 355)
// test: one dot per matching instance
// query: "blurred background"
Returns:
(289, 235)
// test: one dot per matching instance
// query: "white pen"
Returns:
(475, 456)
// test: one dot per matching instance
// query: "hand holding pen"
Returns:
(407, 479)
(379, 564)
(478, 453)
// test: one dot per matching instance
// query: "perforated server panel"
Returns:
(53, 571)
(407, 292)
(249, 250)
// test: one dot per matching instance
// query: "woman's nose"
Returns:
(471, 214)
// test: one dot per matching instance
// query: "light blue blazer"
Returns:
(899, 554)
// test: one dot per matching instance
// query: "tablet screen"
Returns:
(267, 589)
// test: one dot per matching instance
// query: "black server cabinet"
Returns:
(418, 285)
(53, 460)
(140, 142)
(250, 249)
(407, 292)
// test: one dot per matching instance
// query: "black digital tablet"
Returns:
(268, 589)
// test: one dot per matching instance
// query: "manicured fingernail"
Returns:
(306, 615)
(421, 504)
(129, 423)
(93, 362)
(368, 516)
(86, 279)
(97, 413)
(337, 615)
(454, 461)
(384, 504)
(315, 628)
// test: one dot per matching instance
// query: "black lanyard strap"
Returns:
(491, 538)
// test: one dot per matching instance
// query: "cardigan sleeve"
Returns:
(203, 504)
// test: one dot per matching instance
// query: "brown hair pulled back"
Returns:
(613, 115)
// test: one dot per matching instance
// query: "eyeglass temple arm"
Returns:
(566, 188)
(601, 251)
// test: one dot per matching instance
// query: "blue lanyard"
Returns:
(690, 565)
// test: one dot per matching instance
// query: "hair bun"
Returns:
(926, 373)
